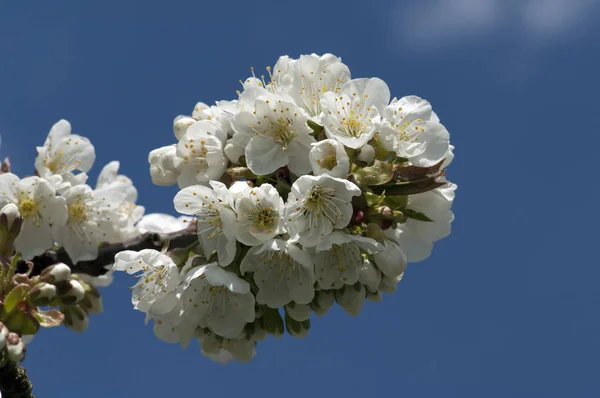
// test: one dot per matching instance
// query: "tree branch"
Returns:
(14, 382)
(106, 253)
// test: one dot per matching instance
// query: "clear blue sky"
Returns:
(506, 306)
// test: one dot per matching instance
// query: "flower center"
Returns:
(52, 163)
(77, 212)
(329, 161)
(263, 218)
(27, 207)
(352, 125)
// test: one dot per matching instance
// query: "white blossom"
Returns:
(369, 275)
(259, 215)
(274, 134)
(200, 156)
(283, 272)
(298, 312)
(222, 350)
(329, 157)
(40, 208)
(155, 291)
(93, 216)
(216, 221)
(351, 298)
(162, 165)
(218, 299)
(352, 116)
(413, 131)
(316, 205)
(312, 77)
(416, 237)
(62, 154)
(338, 259)
(162, 223)
(110, 184)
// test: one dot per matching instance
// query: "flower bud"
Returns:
(351, 298)
(162, 166)
(15, 347)
(56, 273)
(181, 124)
(42, 294)
(388, 285)
(71, 292)
(75, 318)
(298, 312)
(10, 226)
(92, 302)
(3, 335)
(373, 296)
(366, 154)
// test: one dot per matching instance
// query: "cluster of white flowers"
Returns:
(311, 188)
(58, 207)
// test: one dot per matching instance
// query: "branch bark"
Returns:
(14, 382)
(106, 253)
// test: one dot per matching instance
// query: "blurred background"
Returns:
(506, 306)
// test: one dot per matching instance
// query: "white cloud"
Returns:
(443, 22)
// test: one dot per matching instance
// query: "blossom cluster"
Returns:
(310, 188)
(58, 207)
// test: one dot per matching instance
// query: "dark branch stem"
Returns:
(14, 382)
(106, 254)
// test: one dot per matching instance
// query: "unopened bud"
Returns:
(10, 226)
(181, 124)
(56, 273)
(373, 296)
(3, 335)
(366, 154)
(351, 298)
(15, 347)
(162, 166)
(92, 301)
(298, 312)
(75, 318)
(42, 294)
(71, 292)
(388, 285)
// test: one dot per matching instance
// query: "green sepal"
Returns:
(416, 215)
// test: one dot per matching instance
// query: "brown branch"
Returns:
(106, 254)
(14, 382)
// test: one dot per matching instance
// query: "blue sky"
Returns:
(506, 306)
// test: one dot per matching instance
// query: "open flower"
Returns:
(93, 217)
(259, 213)
(200, 157)
(312, 77)
(283, 272)
(218, 299)
(216, 220)
(62, 154)
(338, 259)
(40, 208)
(155, 291)
(413, 131)
(352, 116)
(274, 134)
(316, 205)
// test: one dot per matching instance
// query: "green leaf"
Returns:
(396, 202)
(380, 173)
(405, 173)
(374, 200)
(416, 215)
(22, 323)
(50, 318)
(410, 188)
(16, 296)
